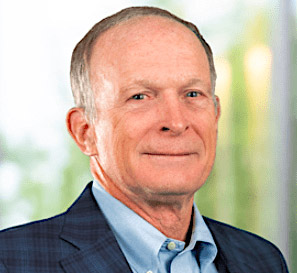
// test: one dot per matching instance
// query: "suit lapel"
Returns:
(92, 243)
(103, 257)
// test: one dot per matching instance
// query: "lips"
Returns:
(170, 159)
(170, 154)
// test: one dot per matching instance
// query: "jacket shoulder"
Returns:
(39, 246)
(33, 245)
(31, 234)
(237, 234)
(246, 247)
(43, 225)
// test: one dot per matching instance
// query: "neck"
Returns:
(173, 220)
(170, 214)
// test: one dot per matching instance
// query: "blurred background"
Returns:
(254, 181)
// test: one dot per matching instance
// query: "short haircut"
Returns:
(79, 74)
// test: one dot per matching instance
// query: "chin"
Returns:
(172, 185)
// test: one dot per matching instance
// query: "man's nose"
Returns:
(174, 119)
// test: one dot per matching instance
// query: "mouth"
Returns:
(165, 159)
(170, 159)
(169, 154)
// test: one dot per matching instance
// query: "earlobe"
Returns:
(81, 131)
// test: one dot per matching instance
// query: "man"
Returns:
(143, 82)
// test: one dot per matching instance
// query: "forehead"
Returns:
(141, 30)
(152, 42)
(139, 27)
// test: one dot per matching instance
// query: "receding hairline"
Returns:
(136, 17)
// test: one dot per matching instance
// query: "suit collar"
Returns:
(86, 230)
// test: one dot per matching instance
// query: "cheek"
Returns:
(131, 131)
(206, 128)
(124, 136)
(136, 124)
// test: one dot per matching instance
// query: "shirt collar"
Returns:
(133, 232)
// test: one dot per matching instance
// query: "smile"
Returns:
(169, 154)
(163, 159)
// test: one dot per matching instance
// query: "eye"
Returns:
(138, 97)
(193, 94)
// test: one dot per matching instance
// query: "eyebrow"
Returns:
(153, 86)
(192, 82)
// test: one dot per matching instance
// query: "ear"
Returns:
(218, 108)
(81, 131)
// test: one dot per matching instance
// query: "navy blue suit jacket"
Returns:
(80, 241)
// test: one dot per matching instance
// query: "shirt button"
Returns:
(171, 246)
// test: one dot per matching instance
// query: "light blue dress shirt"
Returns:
(147, 250)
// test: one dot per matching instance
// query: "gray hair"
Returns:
(80, 83)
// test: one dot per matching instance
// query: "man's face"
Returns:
(156, 125)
